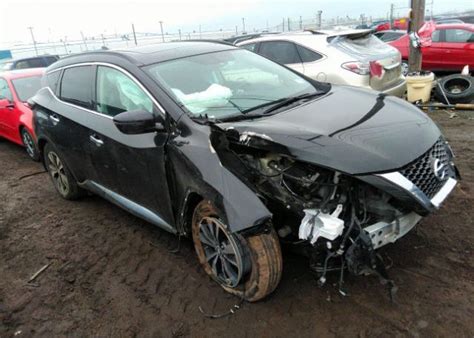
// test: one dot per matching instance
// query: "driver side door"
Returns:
(132, 165)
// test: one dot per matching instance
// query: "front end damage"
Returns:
(338, 220)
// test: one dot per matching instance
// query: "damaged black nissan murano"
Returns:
(210, 141)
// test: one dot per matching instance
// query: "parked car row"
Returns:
(215, 142)
(355, 58)
(16, 117)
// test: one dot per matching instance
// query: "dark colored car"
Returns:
(32, 62)
(16, 117)
(223, 145)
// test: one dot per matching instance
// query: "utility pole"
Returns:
(34, 41)
(283, 25)
(392, 7)
(301, 23)
(179, 31)
(319, 13)
(236, 30)
(64, 44)
(243, 25)
(162, 35)
(103, 39)
(134, 35)
(84, 39)
(417, 18)
(289, 28)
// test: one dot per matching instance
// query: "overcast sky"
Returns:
(54, 19)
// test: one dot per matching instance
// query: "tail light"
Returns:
(357, 67)
(376, 69)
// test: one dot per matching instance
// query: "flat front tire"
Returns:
(249, 267)
(63, 180)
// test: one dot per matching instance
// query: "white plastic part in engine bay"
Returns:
(317, 224)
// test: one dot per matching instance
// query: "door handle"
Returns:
(96, 139)
(54, 118)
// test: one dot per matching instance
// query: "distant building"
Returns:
(5, 54)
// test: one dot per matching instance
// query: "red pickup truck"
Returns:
(452, 48)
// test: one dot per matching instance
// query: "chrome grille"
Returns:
(421, 172)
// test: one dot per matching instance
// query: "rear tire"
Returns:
(30, 145)
(260, 256)
(60, 175)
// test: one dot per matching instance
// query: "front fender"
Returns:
(194, 166)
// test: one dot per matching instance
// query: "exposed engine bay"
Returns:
(321, 212)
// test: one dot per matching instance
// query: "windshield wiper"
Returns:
(275, 105)
(289, 100)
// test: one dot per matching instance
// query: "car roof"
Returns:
(308, 34)
(21, 73)
(467, 26)
(147, 55)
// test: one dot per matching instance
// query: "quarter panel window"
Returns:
(435, 36)
(52, 80)
(250, 46)
(308, 55)
(77, 86)
(280, 51)
(116, 93)
(5, 92)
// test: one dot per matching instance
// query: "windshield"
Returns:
(227, 83)
(27, 87)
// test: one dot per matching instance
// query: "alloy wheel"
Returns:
(56, 170)
(222, 251)
(29, 144)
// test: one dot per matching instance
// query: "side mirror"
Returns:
(138, 122)
(6, 103)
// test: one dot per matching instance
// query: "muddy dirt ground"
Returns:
(113, 274)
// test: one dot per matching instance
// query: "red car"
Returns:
(452, 48)
(16, 117)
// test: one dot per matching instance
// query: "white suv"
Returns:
(355, 58)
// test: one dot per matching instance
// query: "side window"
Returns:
(458, 35)
(308, 55)
(280, 51)
(77, 84)
(52, 80)
(5, 92)
(250, 46)
(30, 63)
(435, 36)
(49, 60)
(116, 93)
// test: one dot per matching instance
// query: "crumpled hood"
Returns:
(352, 130)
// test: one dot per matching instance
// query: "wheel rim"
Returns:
(56, 170)
(221, 250)
(404, 68)
(29, 144)
(457, 86)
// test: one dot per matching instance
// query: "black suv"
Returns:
(221, 144)
(32, 62)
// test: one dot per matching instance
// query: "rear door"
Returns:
(283, 52)
(67, 124)
(459, 48)
(131, 165)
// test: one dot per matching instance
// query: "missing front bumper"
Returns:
(382, 233)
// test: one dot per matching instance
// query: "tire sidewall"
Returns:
(35, 156)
